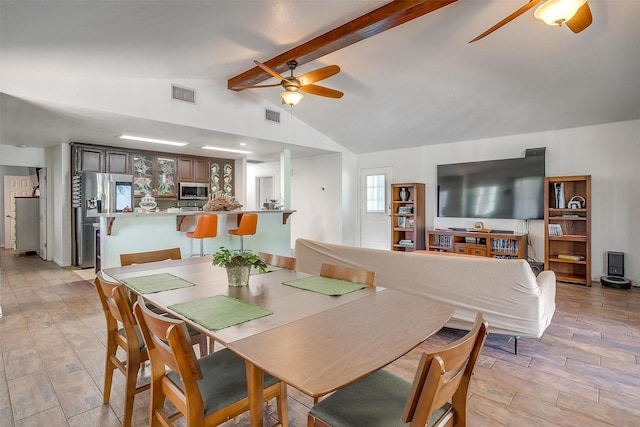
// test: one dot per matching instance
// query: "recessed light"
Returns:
(243, 144)
(155, 141)
(226, 150)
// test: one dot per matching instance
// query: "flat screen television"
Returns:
(507, 188)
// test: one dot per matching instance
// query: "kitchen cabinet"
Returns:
(155, 175)
(222, 176)
(89, 159)
(193, 169)
(118, 162)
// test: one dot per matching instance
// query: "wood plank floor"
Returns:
(584, 371)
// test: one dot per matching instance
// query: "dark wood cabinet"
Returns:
(90, 160)
(118, 162)
(155, 175)
(193, 169)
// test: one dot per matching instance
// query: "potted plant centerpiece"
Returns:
(238, 265)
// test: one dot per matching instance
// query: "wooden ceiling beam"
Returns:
(382, 19)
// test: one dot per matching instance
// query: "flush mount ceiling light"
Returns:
(557, 12)
(226, 150)
(155, 141)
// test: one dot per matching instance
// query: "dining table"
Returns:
(314, 340)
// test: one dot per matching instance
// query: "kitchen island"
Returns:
(141, 231)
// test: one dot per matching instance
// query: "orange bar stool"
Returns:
(248, 223)
(206, 227)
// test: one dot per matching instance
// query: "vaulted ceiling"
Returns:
(416, 84)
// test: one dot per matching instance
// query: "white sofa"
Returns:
(512, 299)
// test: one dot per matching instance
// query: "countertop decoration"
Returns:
(221, 202)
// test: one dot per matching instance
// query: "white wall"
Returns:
(610, 153)
(317, 195)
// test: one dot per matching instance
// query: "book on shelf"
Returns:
(405, 242)
(571, 257)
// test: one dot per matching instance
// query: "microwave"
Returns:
(193, 191)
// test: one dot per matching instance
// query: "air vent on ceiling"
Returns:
(272, 116)
(254, 162)
(183, 94)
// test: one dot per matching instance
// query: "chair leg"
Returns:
(281, 405)
(109, 367)
(201, 247)
(515, 344)
(131, 378)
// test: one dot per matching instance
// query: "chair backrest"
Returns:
(347, 273)
(150, 256)
(168, 344)
(444, 376)
(281, 261)
(248, 224)
(118, 311)
(207, 226)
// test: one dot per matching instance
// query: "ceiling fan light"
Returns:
(291, 98)
(557, 12)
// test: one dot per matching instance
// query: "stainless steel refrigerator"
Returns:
(93, 194)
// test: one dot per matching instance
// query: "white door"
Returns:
(375, 213)
(264, 185)
(42, 180)
(14, 186)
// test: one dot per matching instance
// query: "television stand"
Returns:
(491, 244)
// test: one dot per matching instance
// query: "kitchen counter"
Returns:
(126, 232)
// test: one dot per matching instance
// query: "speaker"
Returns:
(615, 263)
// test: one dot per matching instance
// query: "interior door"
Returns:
(374, 206)
(14, 186)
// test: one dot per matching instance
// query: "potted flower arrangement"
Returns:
(238, 265)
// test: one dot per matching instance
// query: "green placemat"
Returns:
(219, 311)
(269, 269)
(325, 285)
(156, 283)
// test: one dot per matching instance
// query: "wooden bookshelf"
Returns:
(568, 255)
(407, 217)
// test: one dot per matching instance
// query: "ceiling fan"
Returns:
(575, 13)
(293, 85)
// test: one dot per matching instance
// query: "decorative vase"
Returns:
(404, 194)
(148, 203)
(238, 275)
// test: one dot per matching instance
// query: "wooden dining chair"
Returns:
(206, 391)
(123, 333)
(349, 274)
(437, 396)
(150, 256)
(163, 255)
(286, 262)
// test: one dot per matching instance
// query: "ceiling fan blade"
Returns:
(254, 87)
(508, 19)
(581, 20)
(321, 91)
(319, 74)
(270, 71)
